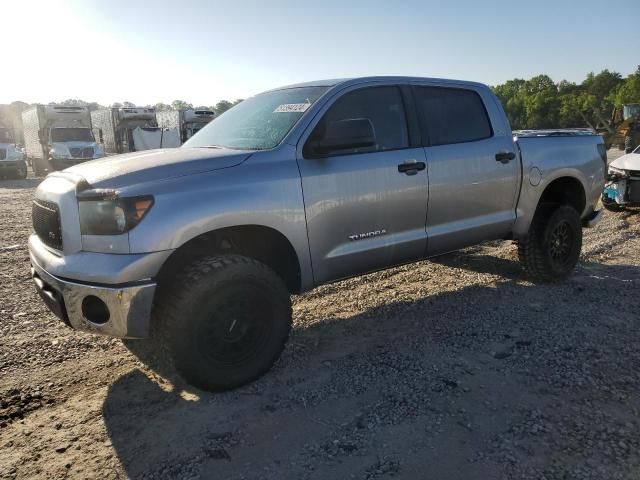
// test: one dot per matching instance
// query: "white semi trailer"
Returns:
(57, 137)
(187, 122)
(115, 126)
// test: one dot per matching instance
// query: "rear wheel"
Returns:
(551, 249)
(224, 321)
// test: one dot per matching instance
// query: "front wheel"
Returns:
(21, 172)
(224, 320)
(551, 249)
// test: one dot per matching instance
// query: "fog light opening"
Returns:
(95, 310)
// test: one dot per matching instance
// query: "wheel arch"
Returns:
(260, 242)
(565, 190)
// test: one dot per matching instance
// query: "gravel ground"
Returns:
(456, 368)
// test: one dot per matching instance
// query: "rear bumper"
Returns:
(128, 306)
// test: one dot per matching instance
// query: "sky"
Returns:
(203, 51)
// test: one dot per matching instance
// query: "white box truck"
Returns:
(115, 127)
(187, 122)
(57, 137)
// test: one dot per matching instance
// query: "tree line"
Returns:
(530, 104)
(219, 108)
(541, 103)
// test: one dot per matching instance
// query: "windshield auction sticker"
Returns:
(292, 107)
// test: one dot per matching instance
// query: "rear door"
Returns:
(365, 208)
(474, 171)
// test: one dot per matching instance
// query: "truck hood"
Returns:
(151, 165)
(630, 161)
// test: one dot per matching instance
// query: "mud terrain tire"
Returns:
(551, 249)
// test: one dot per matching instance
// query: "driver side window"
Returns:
(382, 106)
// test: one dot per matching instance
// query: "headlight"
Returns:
(110, 215)
(617, 171)
(58, 152)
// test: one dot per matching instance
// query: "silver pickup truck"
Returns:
(199, 248)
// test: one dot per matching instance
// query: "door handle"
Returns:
(505, 157)
(411, 167)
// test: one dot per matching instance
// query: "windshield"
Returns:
(632, 110)
(71, 135)
(6, 135)
(258, 123)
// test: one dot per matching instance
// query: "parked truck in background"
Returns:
(12, 161)
(187, 122)
(624, 129)
(114, 127)
(294, 188)
(57, 137)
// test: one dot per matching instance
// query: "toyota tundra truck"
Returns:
(198, 249)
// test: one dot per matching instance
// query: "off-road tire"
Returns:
(209, 303)
(542, 253)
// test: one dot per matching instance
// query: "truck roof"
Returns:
(357, 80)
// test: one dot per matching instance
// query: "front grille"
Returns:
(3, 153)
(46, 223)
(86, 152)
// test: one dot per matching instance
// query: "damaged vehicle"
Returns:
(198, 249)
(622, 189)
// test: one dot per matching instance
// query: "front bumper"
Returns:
(12, 166)
(129, 306)
(622, 191)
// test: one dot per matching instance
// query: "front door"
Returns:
(365, 207)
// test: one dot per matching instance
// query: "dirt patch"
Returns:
(455, 368)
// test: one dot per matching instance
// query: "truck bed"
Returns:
(547, 155)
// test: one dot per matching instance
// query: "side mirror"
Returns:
(346, 134)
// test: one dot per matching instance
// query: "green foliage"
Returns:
(628, 91)
(222, 106)
(180, 105)
(160, 107)
(541, 103)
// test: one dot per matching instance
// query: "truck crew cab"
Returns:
(200, 247)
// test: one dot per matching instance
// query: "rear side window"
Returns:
(451, 115)
(382, 106)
